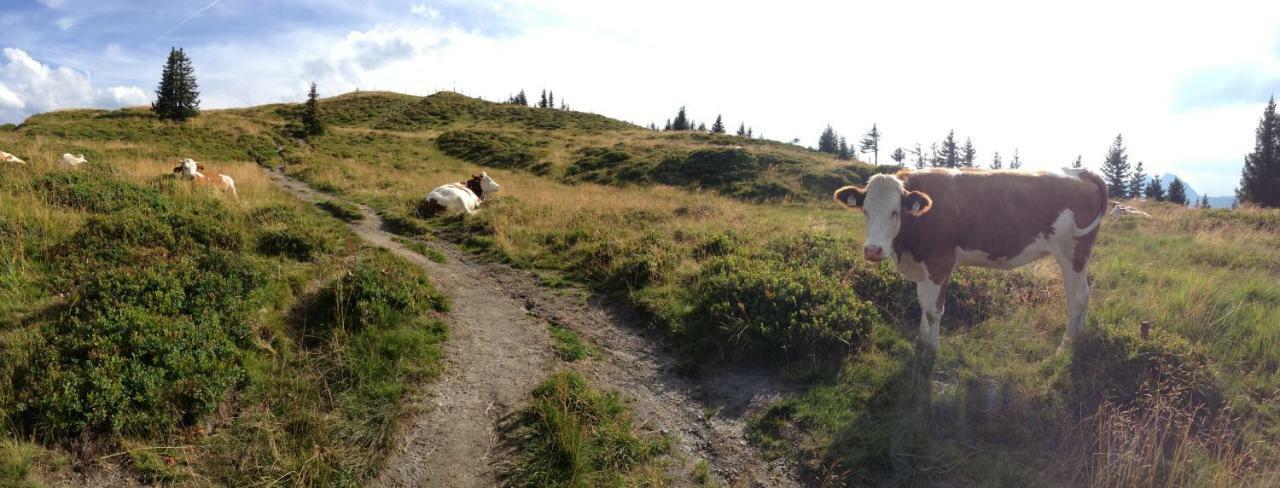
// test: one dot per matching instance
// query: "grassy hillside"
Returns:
(731, 247)
(184, 337)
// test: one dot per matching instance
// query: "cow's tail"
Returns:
(1090, 177)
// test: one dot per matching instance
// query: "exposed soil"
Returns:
(500, 348)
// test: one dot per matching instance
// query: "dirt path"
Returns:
(500, 348)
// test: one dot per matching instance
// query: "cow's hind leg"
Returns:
(932, 304)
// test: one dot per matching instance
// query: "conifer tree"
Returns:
(1137, 182)
(668, 126)
(718, 126)
(936, 158)
(1115, 169)
(1178, 192)
(311, 123)
(749, 136)
(950, 151)
(177, 97)
(1204, 201)
(918, 152)
(828, 142)
(543, 102)
(996, 163)
(1079, 163)
(1154, 190)
(898, 156)
(702, 127)
(842, 151)
(551, 99)
(681, 121)
(742, 129)
(968, 154)
(1016, 162)
(871, 143)
(1260, 178)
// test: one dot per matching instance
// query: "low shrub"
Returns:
(379, 290)
(91, 192)
(490, 148)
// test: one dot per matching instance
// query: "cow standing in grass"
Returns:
(460, 197)
(69, 161)
(192, 170)
(929, 222)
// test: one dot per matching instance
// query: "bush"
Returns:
(91, 192)
(378, 291)
(712, 167)
(749, 304)
(142, 350)
(300, 243)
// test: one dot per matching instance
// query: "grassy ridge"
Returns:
(139, 311)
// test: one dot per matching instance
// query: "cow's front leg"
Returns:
(932, 303)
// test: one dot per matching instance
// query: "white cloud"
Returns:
(28, 86)
(425, 11)
(65, 23)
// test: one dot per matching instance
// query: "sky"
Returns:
(1184, 82)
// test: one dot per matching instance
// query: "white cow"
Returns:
(1120, 209)
(192, 170)
(461, 197)
(70, 161)
(4, 156)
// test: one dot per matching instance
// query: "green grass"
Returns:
(342, 210)
(572, 435)
(569, 346)
(420, 248)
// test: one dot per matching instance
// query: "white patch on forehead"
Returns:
(882, 207)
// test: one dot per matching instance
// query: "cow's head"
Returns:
(488, 184)
(885, 203)
(188, 168)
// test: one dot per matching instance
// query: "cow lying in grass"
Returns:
(932, 221)
(9, 158)
(192, 170)
(460, 197)
(70, 161)
(1119, 209)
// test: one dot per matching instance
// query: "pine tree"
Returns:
(311, 123)
(871, 143)
(702, 127)
(1079, 163)
(1204, 201)
(1016, 162)
(898, 156)
(968, 154)
(742, 129)
(996, 163)
(668, 126)
(543, 102)
(828, 141)
(749, 136)
(718, 126)
(1178, 192)
(1115, 169)
(551, 99)
(842, 151)
(950, 151)
(1137, 182)
(563, 106)
(177, 97)
(681, 121)
(936, 159)
(918, 152)
(1260, 178)
(1155, 190)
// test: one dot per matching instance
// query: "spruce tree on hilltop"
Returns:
(918, 152)
(702, 127)
(311, 123)
(742, 129)
(1178, 192)
(681, 122)
(898, 156)
(950, 151)
(828, 142)
(842, 151)
(935, 156)
(996, 163)
(1115, 170)
(1260, 178)
(551, 99)
(177, 97)
(543, 102)
(871, 143)
(1016, 162)
(1137, 182)
(749, 136)
(1154, 190)
(968, 154)
(718, 126)
(1204, 201)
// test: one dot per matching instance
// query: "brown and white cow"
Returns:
(188, 168)
(929, 222)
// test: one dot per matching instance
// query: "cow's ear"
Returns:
(917, 203)
(851, 196)
(199, 167)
